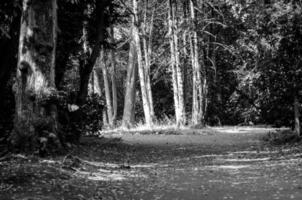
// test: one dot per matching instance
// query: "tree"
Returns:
(109, 76)
(36, 123)
(129, 103)
(107, 88)
(177, 77)
(87, 65)
(147, 30)
(198, 89)
(273, 40)
(146, 98)
(113, 76)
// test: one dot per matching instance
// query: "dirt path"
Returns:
(221, 163)
(217, 163)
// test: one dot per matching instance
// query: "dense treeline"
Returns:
(74, 66)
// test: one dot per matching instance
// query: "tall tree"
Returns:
(147, 30)
(129, 103)
(107, 88)
(109, 74)
(177, 77)
(87, 66)
(113, 77)
(146, 99)
(198, 86)
(36, 114)
(185, 52)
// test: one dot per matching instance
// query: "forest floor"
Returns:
(211, 163)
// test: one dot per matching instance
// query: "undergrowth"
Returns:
(282, 137)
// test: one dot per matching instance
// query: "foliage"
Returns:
(77, 121)
(93, 114)
(9, 28)
(282, 137)
(250, 53)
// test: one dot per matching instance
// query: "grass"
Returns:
(168, 127)
(144, 129)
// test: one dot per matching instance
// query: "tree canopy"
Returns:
(116, 62)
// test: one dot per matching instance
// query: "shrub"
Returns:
(282, 137)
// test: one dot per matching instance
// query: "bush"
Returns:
(93, 113)
(77, 121)
(282, 137)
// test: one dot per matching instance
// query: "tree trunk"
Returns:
(95, 85)
(107, 88)
(87, 66)
(129, 104)
(297, 116)
(105, 118)
(176, 70)
(185, 53)
(96, 82)
(113, 79)
(198, 100)
(86, 52)
(36, 115)
(141, 69)
(147, 47)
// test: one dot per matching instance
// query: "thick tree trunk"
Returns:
(36, 115)
(141, 69)
(129, 104)
(198, 99)
(180, 88)
(173, 62)
(297, 116)
(176, 70)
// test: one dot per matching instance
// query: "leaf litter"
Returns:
(108, 168)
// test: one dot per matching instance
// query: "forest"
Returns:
(74, 69)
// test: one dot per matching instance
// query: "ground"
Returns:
(212, 163)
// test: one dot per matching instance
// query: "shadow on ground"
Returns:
(217, 163)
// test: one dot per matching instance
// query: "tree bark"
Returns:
(185, 53)
(87, 66)
(147, 47)
(36, 125)
(107, 89)
(176, 69)
(198, 99)
(113, 79)
(141, 69)
(129, 104)
(96, 81)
